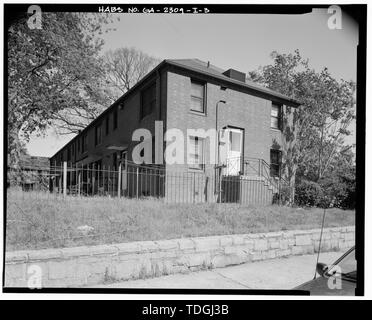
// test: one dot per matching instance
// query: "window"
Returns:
(69, 153)
(196, 153)
(197, 97)
(84, 143)
(115, 119)
(148, 100)
(107, 125)
(78, 145)
(235, 141)
(275, 160)
(275, 116)
(98, 134)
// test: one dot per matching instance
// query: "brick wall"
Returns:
(241, 110)
(79, 266)
(128, 121)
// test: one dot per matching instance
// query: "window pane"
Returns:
(274, 170)
(197, 90)
(115, 119)
(275, 156)
(193, 145)
(197, 104)
(194, 158)
(149, 94)
(107, 125)
(235, 141)
(274, 162)
(274, 122)
(197, 97)
(275, 116)
(275, 110)
(98, 134)
(148, 100)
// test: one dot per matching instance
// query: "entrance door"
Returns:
(234, 151)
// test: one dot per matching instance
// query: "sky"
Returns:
(240, 41)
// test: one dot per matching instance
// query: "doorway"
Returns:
(231, 151)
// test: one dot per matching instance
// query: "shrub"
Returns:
(308, 193)
(341, 190)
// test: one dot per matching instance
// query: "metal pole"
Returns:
(64, 179)
(217, 153)
(280, 184)
(320, 240)
(220, 184)
(119, 180)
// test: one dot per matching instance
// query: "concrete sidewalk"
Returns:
(284, 273)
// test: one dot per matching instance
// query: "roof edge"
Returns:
(289, 101)
(270, 93)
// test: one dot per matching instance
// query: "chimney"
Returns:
(235, 74)
(208, 64)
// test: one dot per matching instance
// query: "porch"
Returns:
(248, 180)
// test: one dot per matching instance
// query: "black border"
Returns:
(357, 11)
(237, 309)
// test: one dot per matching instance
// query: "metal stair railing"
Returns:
(263, 171)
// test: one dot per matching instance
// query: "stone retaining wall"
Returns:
(79, 266)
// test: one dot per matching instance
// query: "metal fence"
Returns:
(129, 180)
(245, 181)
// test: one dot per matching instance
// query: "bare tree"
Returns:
(125, 67)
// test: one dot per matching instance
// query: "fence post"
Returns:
(60, 181)
(193, 191)
(79, 182)
(280, 185)
(119, 180)
(220, 184)
(259, 168)
(64, 179)
(93, 178)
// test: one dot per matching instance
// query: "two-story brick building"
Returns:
(189, 94)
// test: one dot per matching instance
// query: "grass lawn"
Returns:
(36, 220)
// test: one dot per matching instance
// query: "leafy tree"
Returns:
(313, 133)
(339, 181)
(54, 74)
